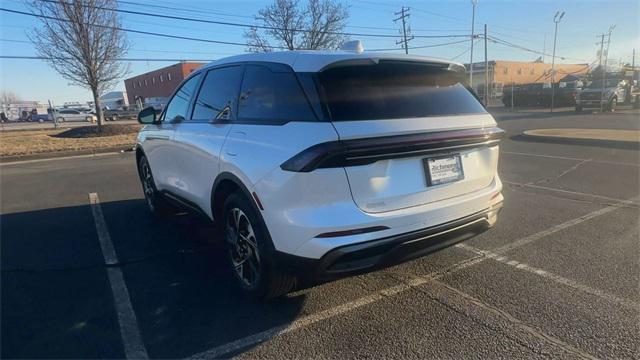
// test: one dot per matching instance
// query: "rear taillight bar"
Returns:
(365, 151)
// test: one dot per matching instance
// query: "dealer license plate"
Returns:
(443, 170)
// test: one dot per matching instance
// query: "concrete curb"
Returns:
(601, 135)
(572, 140)
(63, 154)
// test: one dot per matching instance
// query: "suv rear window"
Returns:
(268, 96)
(395, 90)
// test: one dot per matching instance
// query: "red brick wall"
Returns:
(158, 83)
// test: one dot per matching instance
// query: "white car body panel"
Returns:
(252, 151)
(386, 185)
(196, 153)
(381, 187)
(187, 158)
(313, 61)
(156, 141)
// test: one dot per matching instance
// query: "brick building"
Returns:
(158, 83)
(502, 73)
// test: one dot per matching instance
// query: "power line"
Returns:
(424, 46)
(27, 57)
(145, 50)
(464, 52)
(16, 41)
(510, 44)
(137, 31)
(439, 15)
(228, 23)
(198, 11)
(202, 10)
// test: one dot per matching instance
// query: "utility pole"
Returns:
(486, 70)
(556, 20)
(601, 50)
(473, 24)
(604, 66)
(406, 31)
(53, 114)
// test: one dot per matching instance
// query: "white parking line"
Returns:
(494, 317)
(567, 224)
(551, 276)
(225, 349)
(132, 341)
(59, 158)
(533, 186)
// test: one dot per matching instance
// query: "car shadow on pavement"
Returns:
(56, 298)
(174, 268)
(181, 286)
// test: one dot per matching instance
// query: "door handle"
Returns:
(157, 137)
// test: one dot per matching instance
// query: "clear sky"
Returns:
(525, 23)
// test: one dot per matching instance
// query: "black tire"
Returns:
(613, 104)
(157, 204)
(60, 119)
(114, 117)
(263, 279)
(578, 109)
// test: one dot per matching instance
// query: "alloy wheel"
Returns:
(243, 247)
(147, 184)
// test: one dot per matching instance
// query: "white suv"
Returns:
(323, 164)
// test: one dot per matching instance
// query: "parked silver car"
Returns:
(74, 115)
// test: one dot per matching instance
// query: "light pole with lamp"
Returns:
(556, 19)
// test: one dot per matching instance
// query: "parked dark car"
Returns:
(539, 94)
(523, 95)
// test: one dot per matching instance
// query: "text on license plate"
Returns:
(442, 170)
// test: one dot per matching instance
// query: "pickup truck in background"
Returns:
(119, 114)
(609, 93)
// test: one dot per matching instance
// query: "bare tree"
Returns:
(82, 41)
(317, 26)
(8, 97)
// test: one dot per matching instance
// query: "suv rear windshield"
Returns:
(395, 90)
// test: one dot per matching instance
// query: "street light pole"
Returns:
(473, 24)
(556, 20)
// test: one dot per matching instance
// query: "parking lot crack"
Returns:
(557, 177)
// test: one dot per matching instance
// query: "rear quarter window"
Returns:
(269, 95)
(395, 90)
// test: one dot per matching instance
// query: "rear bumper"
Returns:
(387, 251)
(591, 103)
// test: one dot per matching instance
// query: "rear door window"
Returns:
(396, 90)
(272, 95)
(218, 94)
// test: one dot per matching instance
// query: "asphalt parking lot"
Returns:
(559, 276)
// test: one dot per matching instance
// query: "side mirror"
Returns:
(147, 116)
